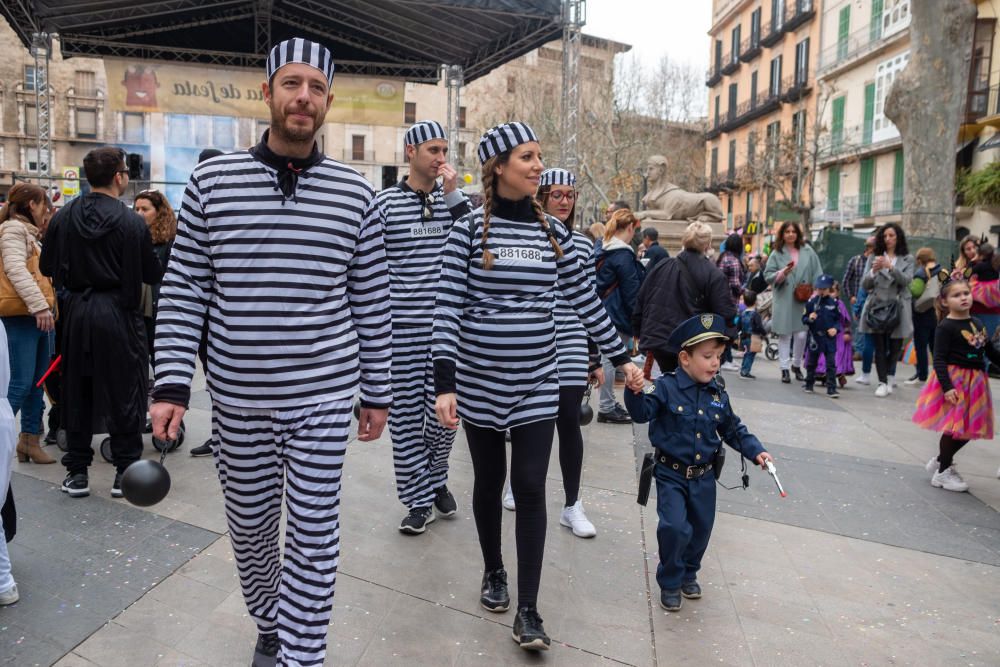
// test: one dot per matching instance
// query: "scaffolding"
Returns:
(41, 47)
(574, 15)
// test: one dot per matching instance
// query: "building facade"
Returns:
(761, 108)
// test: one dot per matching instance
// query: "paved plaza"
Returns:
(863, 564)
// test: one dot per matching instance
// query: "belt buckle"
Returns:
(689, 473)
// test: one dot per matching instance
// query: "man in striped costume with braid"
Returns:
(417, 214)
(280, 250)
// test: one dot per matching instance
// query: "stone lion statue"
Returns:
(666, 201)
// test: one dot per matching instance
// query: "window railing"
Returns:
(857, 43)
(982, 103)
(351, 155)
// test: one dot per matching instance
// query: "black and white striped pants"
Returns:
(258, 453)
(420, 445)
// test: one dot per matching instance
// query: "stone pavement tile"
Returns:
(359, 608)
(185, 594)
(158, 621)
(23, 646)
(683, 639)
(73, 660)
(232, 613)
(117, 646)
(885, 646)
(215, 644)
(794, 615)
(773, 643)
(213, 571)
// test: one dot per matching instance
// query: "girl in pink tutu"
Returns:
(956, 400)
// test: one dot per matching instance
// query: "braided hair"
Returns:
(488, 179)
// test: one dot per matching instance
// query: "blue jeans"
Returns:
(748, 358)
(991, 322)
(28, 351)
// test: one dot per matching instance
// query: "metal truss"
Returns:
(454, 79)
(41, 46)
(574, 16)
(262, 26)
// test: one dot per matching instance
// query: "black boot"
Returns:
(785, 377)
(528, 630)
(265, 654)
(798, 373)
(494, 596)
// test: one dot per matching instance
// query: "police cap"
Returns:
(695, 330)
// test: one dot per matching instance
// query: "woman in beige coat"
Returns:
(29, 336)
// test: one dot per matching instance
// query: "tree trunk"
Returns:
(925, 102)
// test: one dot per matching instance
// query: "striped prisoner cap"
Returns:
(556, 176)
(423, 131)
(503, 138)
(299, 50)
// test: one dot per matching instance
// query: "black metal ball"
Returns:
(586, 414)
(145, 483)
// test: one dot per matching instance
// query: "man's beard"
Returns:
(295, 135)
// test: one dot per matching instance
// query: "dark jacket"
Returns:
(755, 282)
(827, 311)
(666, 299)
(618, 268)
(101, 253)
(654, 254)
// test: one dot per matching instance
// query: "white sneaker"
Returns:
(882, 391)
(891, 383)
(573, 517)
(863, 379)
(932, 465)
(912, 381)
(730, 366)
(9, 596)
(508, 497)
(949, 480)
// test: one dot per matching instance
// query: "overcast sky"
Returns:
(677, 28)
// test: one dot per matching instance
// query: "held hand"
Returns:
(951, 396)
(371, 422)
(596, 378)
(44, 320)
(812, 317)
(762, 460)
(446, 407)
(449, 178)
(831, 332)
(166, 419)
(633, 377)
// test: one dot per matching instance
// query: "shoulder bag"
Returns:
(883, 316)
(11, 303)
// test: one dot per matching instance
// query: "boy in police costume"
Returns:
(690, 416)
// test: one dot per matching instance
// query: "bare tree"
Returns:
(924, 103)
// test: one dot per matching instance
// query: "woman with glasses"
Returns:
(162, 223)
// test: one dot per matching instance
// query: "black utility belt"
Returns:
(689, 472)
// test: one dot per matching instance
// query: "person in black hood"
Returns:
(101, 253)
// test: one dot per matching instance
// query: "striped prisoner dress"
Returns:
(571, 337)
(494, 331)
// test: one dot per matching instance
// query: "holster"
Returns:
(645, 478)
(720, 460)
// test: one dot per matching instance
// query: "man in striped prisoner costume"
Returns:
(416, 216)
(280, 250)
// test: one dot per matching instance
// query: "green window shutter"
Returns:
(897, 184)
(833, 189)
(875, 31)
(843, 32)
(837, 125)
(866, 133)
(866, 187)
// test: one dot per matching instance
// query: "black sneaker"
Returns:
(797, 372)
(671, 600)
(265, 654)
(832, 392)
(494, 596)
(51, 436)
(785, 377)
(691, 590)
(77, 486)
(618, 415)
(116, 487)
(747, 376)
(416, 521)
(204, 449)
(528, 630)
(444, 503)
(808, 388)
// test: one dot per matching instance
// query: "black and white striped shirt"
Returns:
(413, 246)
(494, 331)
(571, 338)
(295, 290)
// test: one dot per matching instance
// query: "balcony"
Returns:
(350, 155)
(750, 48)
(794, 88)
(857, 46)
(868, 205)
(982, 107)
(774, 32)
(713, 75)
(798, 14)
(731, 63)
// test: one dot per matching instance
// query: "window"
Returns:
(86, 123)
(802, 62)
(715, 164)
(843, 32)
(749, 210)
(202, 130)
(777, 15)
(461, 117)
(897, 183)
(29, 77)
(869, 118)
(179, 129)
(885, 73)
(463, 150)
(775, 88)
(837, 125)
(751, 146)
(31, 161)
(732, 160)
(223, 132)
(30, 120)
(263, 126)
(799, 128)
(85, 83)
(833, 188)
(875, 24)
(895, 16)
(718, 54)
(732, 102)
(717, 110)
(755, 28)
(410, 113)
(511, 85)
(734, 40)
(133, 131)
(979, 72)
(866, 187)
(358, 147)
(773, 134)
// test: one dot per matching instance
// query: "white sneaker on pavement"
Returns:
(932, 465)
(863, 379)
(882, 391)
(9, 596)
(730, 366)
(508, 497)
(573, 517)
(912, 381)
(891, 382)
(949, 480)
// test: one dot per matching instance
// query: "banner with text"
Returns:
(146, 85)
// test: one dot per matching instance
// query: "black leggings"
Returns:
(570, 441)
(947, 448)
(530, 447)
(886, 350)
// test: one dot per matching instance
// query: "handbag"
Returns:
(924, 302)
(756, 343)
(803, 291)
(11, 303)
(882, 316)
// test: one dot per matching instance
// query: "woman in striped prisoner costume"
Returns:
(578, 362)
(495, 358)
(417, 214)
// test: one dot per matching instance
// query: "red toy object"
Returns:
(52, 367)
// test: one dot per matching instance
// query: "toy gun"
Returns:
(774, 474)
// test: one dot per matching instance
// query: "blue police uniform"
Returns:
(688, 421)
(827, 317)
